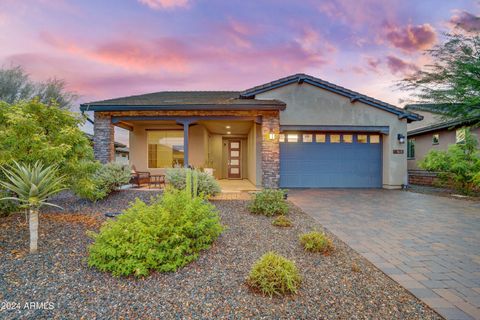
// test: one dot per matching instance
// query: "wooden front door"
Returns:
(234, 159)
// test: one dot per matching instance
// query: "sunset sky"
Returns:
(112, 48)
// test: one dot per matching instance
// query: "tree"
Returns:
(16, 85)
(459, 166)
(451, 83)
(31, 131)
(33, 185)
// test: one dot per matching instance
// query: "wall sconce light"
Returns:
(401, 138)
(271, 135)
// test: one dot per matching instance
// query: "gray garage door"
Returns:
(330, 160)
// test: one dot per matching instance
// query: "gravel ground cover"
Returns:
(342, 285)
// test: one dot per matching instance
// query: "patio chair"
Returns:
(139, 177)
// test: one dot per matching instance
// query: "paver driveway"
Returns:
(429, 244)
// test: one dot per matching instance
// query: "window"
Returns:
(362, 138)
(411, 148)
(334, 138)
(307, 138)
(374, 138)
(165, 148)
(320, 138)
(347, 138)
(292, 137)
(436, 138)
(460, 135)
(281, 137)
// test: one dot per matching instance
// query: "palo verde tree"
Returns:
(451, 83)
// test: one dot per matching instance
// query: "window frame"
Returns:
(307, 134)
(148, 147)
(410, 148)
(324, 137)
(291, 134)
(364, 135)
(435, 139)
(335, 134)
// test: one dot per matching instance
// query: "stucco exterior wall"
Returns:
(198, 147)
(423, 144)
(255, 155)
(309, 105)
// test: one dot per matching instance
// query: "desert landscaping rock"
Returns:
(211, 287)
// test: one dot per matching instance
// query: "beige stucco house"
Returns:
(433, 133)
(298, 131)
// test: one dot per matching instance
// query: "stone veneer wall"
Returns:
(270, 152)
(103, 138)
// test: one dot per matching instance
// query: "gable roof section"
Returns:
(352, 95)
(183, 100)
(441, 124)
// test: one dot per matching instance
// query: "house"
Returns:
(432, 133)
(121, 151)
(295, 132)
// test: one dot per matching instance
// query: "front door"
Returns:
(234, 160)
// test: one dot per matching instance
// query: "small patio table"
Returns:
(156, 180)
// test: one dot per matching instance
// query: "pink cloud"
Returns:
(373, 64)
(411, 38)
(239, 33)
(399, 66)
(465, 21)
(163, 53)
(358, 13)
(314, 45)
(164, 4)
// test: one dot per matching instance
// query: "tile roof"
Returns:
(179, 99)
(353, 95)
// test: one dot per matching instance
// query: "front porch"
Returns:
(241, 149)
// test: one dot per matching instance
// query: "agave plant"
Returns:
(32, 184)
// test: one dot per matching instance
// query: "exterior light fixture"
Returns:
(228, 132)
(271, 135)
(227, 127)
(401, 138)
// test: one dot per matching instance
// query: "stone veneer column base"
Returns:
(270, 151)
(103, 138)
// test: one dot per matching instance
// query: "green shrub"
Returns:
(274, 275)
(7, 206)
(207, 185)
(269, 202)
(282, 221)
(165, 235)
(31, 131)
(458, 167)
(316, 242)
(94, 181)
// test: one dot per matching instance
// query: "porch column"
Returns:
(186, 125)
(103, 138)
(270, 151)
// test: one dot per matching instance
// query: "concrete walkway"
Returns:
(428, 244)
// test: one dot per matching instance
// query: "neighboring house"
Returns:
(121, 151)
(122, 154)
(433, 133)
(297, 131)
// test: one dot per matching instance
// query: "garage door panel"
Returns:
(330, 165)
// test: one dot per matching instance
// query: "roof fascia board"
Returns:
(100, 108)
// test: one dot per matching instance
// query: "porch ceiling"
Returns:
(220, 126)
